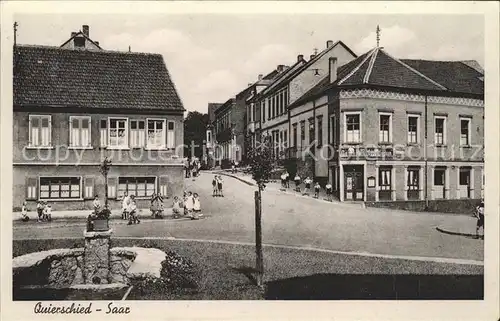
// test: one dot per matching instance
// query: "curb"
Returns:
(449, 232)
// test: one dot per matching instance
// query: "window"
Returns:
(60, 188)
(118, 132)
(439, 176)
(103, 131)
(40, 130)
(413, 129)
(137, 186)
(320, 131)
(385, 128)
(353, 128)
(302, 131)
(31, 188)
(170, 134)
(156, 133)
(79, 42)
(464, 132)
(79, 132)
(385, 182)
(294, 133)
(413, 182)
(263, 108)
(440, 130)
(88, 187)
(285, 139)
(311, 131)
(137, 133)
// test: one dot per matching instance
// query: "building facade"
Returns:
(74, 107)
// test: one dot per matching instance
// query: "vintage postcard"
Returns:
(231, 160)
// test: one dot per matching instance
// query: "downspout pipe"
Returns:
(425, 155)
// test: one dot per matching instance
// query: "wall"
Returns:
(307, 79)
(175, 184)
(60, 141)
(465, 206)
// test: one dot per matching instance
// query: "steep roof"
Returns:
(283, 77)
(456, 76)
(52, 76)
(376, 67)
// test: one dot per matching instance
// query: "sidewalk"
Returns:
(82, 215)
(461, 226)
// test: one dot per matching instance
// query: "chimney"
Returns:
(300, 57)
(280, 68)
(333, 69)
(73, 34)
(85, 30)
(329, 43)
(261, 76)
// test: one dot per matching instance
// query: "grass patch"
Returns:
(226, 273)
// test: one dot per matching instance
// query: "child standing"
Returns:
(196, 207)
(24, 212)
(480, 218)
(317, 187)
(39, 210)
(176, 207)
(132, 212)
(287, 179)
(329, 192)
(297, 182)
(308, 182)
(125, 205)
(283, 181)
(189, 204)
(214, 186)
(47, 212)
(219, 186)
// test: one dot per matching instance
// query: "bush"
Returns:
(179, 272)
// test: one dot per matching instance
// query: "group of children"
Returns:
(285, 183)
(129, 209)
(43, 209)
(190, 204)
(217, 186)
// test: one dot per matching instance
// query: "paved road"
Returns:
(296, 221)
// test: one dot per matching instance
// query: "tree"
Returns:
(261, 163)
(195, 126)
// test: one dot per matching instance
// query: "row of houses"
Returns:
(380, 129)
(74, 105)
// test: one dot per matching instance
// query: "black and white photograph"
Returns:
(281, 155)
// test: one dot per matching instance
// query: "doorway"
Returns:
(353, 183)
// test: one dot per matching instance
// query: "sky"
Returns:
(212, 57)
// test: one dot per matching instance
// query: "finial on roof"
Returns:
(378, 36)
(315, 51)
(129, 49)
(15, 32)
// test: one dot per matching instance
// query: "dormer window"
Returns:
(79, 42)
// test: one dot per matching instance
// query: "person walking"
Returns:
(283, 181)
(329, 192)
(317, 188)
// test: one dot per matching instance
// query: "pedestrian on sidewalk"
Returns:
(176, 207)
(24, 212)
(329, 192)
(317, 188)
(480, 218)
(39, 210)
(125, 205)
(283, 181)
(47, 213)
(297, 182)
(196, 207)
(133, 218)
(307, 182)
(287, 179)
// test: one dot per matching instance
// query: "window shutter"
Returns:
(89, 187)
(103, 131)
(31, 188)
(163, 186)
(112, 186)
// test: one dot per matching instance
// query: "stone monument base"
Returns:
(97, 257)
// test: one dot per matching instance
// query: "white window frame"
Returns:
(127, 132)
(163, 144)
(80, 118)
(131, 132)
(408, 128)
(445, 118)
(80, 197)
(360, 114)
(169, 144)
(469, 127)
(390, 126)
(30, 142)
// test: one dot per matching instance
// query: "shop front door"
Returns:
(353, 183)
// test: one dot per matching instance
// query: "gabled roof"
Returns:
(283, 77)
(51, 76)
(381, 69)
(79, 34)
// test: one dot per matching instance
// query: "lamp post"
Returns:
(104, 168)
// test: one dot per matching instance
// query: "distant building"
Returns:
(76, 104)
